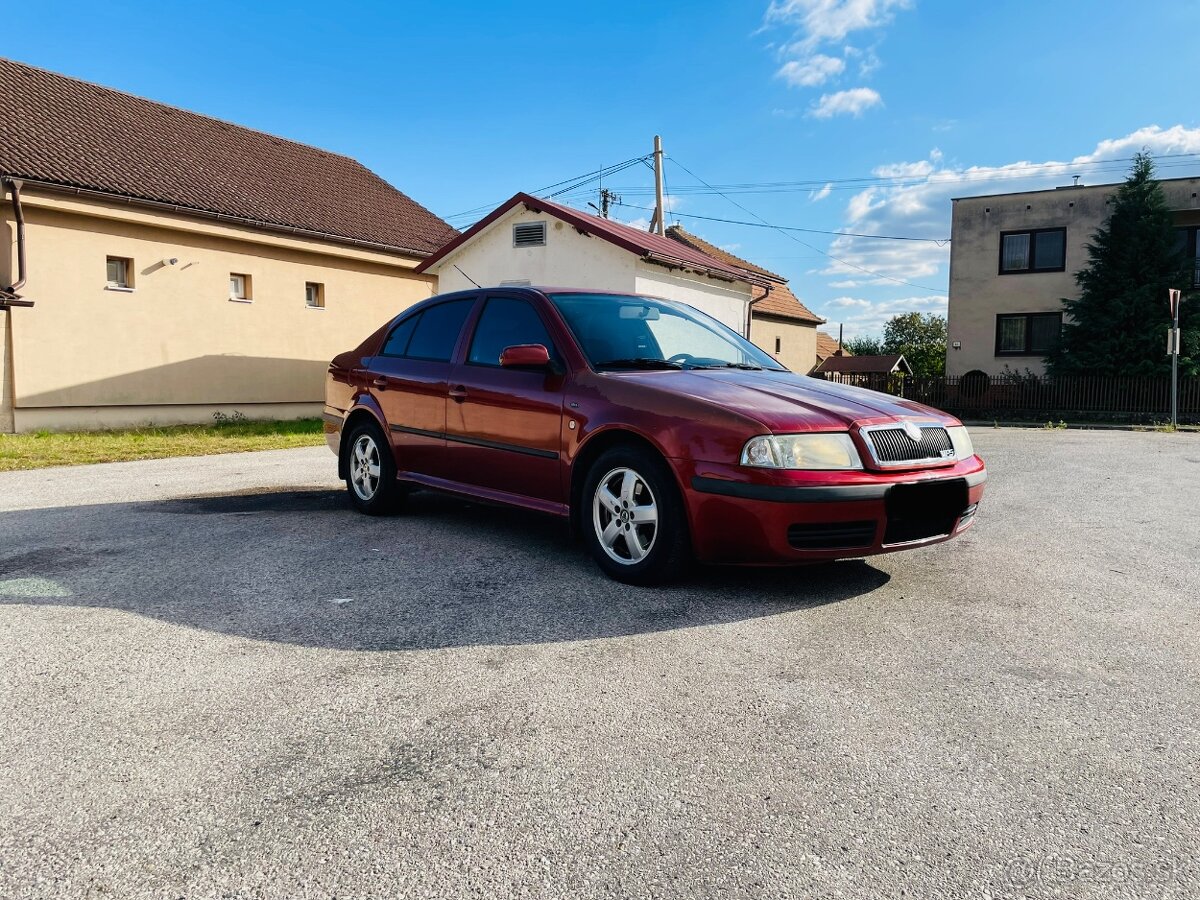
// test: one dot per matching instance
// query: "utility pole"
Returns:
(1174, 297)
(658, 224)
(607, 198)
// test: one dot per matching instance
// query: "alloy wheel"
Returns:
(625, 516)
(364, 467)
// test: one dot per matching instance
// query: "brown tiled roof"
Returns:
(780, 302)
(644, 243)
(67, 132)
(863, 364)
(827, 345)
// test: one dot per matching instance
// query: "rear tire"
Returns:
(371, 471)
(633, 518)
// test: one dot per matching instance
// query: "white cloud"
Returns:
(820, 24)
(905, 170)
(827, 21)
(846, 103)
(814, 70)
(822, 193)
(868, 60)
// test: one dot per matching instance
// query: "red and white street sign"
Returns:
(1173, 299)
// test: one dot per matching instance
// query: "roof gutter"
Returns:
(9, 296)
(750, 308)
(223, 217)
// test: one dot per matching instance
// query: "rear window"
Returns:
(437, 331)
(397, 342)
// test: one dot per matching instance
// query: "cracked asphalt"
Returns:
(216, 680)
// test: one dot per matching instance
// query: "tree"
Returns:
(922, 340)
(864, 346)
(1118, 324)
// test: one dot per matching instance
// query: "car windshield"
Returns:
(617, 331)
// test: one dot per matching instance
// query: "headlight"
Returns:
(961, 442)
(801, 451)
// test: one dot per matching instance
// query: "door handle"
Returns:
(380, 382)
(458, 393)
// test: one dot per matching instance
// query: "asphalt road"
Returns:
(259, 693)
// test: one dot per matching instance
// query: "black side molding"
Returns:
(477, 442)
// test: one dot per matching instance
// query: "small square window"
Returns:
(239, 287)
(314, 295)
(120, 272)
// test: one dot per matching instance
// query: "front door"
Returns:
(503, 425)
(410, 380)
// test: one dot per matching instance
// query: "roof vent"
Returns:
(529, 234)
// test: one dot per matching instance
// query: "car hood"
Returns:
(786, 402)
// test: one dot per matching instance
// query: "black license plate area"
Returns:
(916, 512)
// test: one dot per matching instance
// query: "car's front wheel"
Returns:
(371, 471)
(633, 520)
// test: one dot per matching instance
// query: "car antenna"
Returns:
(468, 277)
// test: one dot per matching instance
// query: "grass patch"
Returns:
(71, 448)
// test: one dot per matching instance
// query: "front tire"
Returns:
(633, 518)
(371, 471)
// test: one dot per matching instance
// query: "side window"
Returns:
(437, 331)
(397, 342)
(506, 321)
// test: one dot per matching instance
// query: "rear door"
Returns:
(410, 380)
(503, 425)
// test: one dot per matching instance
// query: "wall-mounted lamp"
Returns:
(171, 261)
(957, 345)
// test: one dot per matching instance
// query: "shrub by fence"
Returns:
(1095, 398)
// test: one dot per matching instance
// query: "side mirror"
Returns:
(525, 356)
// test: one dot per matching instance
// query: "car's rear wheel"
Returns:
(634, 521)
(371, 471)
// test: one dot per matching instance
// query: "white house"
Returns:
(527, 240)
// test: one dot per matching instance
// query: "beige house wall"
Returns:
(6, 398)
(175, 347)
(978, 293)
(797, 341)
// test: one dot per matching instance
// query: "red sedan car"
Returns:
(659, 433)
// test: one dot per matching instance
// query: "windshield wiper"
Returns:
(750, 367)
(638, 362)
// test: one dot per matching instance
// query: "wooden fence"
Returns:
(1092, 398)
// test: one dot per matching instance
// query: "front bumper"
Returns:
(768, 517)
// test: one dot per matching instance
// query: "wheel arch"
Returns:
(592, 449)
(358, 416)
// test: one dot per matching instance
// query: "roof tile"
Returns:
(73, 133)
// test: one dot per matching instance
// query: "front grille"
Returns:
(919, 511)
(892, 445)
(831, 535)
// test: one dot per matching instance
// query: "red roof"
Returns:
(59, 131)
(863, 365)
(655, 247)
(827, 345)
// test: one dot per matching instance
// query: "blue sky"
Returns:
(461, 105)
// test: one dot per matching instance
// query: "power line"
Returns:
(792, 237)
(1093, 167)
(580, 179)
(941, 242)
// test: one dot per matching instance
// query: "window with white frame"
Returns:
(314, 295)
(239, 287)
(119, 273)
